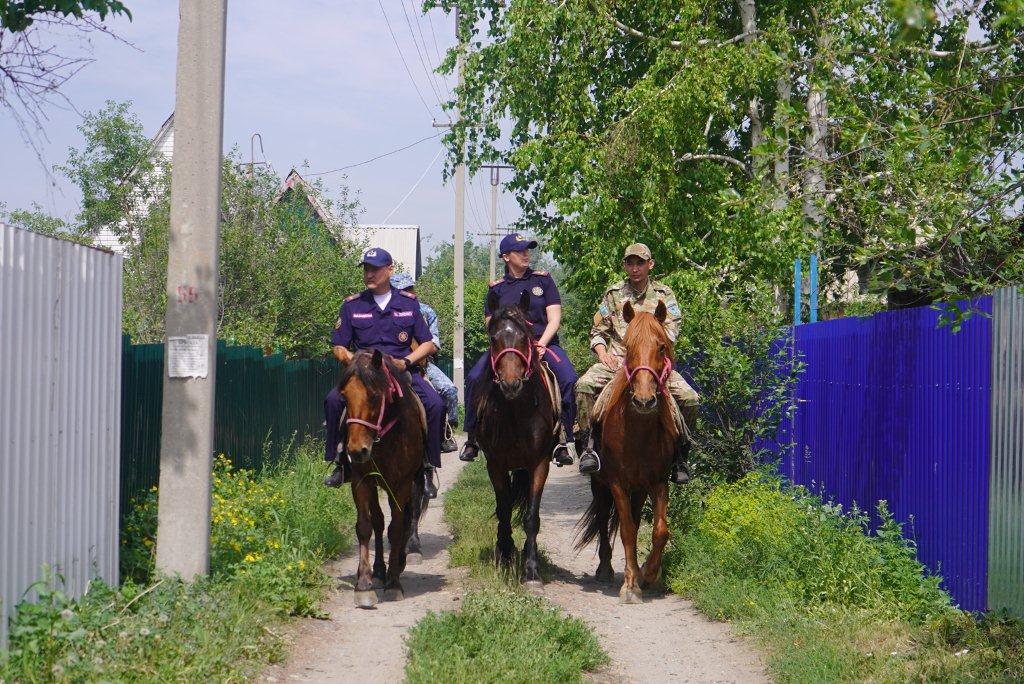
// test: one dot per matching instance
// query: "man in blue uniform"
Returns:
(387, 320)
(435, 376)
(545, 315)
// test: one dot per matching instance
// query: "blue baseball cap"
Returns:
(401, 281)
(514, 242)
(376, 257)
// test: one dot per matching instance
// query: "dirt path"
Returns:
(665, 639)
(367, 645)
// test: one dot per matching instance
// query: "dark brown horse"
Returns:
(517, 430)
(638, 431)
(386, 432)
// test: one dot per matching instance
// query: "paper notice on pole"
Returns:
(188, 356)
(457, 363)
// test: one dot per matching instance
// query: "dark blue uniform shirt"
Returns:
(543, 293)
(362, 325)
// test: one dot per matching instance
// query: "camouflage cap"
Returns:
(638, 249)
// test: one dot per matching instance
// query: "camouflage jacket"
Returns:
(610, 327)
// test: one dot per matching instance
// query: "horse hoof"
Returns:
(535, 587)
(394, 594)
(629, 596)
(366, 598)
(378, 582)
(413, 558)
(604, 576)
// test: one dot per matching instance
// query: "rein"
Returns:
(380, 427)
(666, 370)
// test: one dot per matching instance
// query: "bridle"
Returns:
(661, 377)
(527, 358)
(380, 427)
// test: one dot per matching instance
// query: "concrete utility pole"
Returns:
(186, 447)
(459, 354)
(495, 179)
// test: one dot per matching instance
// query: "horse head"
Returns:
(512, 350)
(648, 360)
(370, 387)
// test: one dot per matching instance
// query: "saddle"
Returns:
(555, 394)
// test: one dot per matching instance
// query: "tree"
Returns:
(436, 287)
(18, 15)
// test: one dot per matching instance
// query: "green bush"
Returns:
(271, 533)
(501, 636)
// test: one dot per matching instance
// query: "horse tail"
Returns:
(601, 517)
(520, 494)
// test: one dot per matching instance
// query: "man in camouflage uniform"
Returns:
(606, 342)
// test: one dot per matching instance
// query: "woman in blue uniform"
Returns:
(545, 315)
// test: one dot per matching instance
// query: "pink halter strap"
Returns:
(666, 370)
(527, 358)
(380, 427)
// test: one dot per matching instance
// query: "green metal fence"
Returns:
(262, 401)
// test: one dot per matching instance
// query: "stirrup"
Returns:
(570, 457)
(596, 456)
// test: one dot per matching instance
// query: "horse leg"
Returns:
(651, 571)
(365, 596)
(603, 507)
(531, 525)
(397, 530)
(504, 548)
(377, 520)
(630, 592)
(417, 505)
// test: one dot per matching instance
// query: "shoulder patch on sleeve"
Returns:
(407, 294)
(494, 282)
(351, 297)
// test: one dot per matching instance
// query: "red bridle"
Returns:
(666, 370)
(527, 358)
(380, 427)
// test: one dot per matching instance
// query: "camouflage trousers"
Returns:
(597, 377)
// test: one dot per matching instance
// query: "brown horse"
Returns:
(638, 432)
(518, 424)
(386, 432)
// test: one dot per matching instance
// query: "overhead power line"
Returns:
(423, 55)
(414, 186)
(402, 57)
(379, 156)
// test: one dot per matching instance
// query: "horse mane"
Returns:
(372, 379)
(643, 327)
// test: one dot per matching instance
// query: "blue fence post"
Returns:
(813, 299)
(797, 284)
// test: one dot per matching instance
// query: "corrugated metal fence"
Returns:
(897, 408)
(262, 402)
(60, 364)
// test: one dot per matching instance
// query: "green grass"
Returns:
(501, 633)
(271, 534)
(824, 599)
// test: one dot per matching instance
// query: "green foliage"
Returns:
(469, 513)
(501, 636)
(436, 287)
(18, 15)
(271, 534)
(826, 599)
(37, 221)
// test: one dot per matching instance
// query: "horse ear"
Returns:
(378, 359)
(492, 301)
(627, 312)
(524, 301)
(660, 312)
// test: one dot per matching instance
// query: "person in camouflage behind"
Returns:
(606, 342)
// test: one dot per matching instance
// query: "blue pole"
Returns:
(814, 288)
(797, 284)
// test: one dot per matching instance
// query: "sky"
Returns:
(322, 82)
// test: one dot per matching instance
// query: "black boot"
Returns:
(680, 471)
(563, 454)
(469, 450)
(429, 483)
(590, 462)
(342, 472)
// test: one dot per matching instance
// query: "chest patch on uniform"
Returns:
(403, 336)
(402, 314)
(537, 290)
(362, 315)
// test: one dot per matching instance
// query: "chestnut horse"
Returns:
(386, 432)
(638, 432)
(518, 430)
